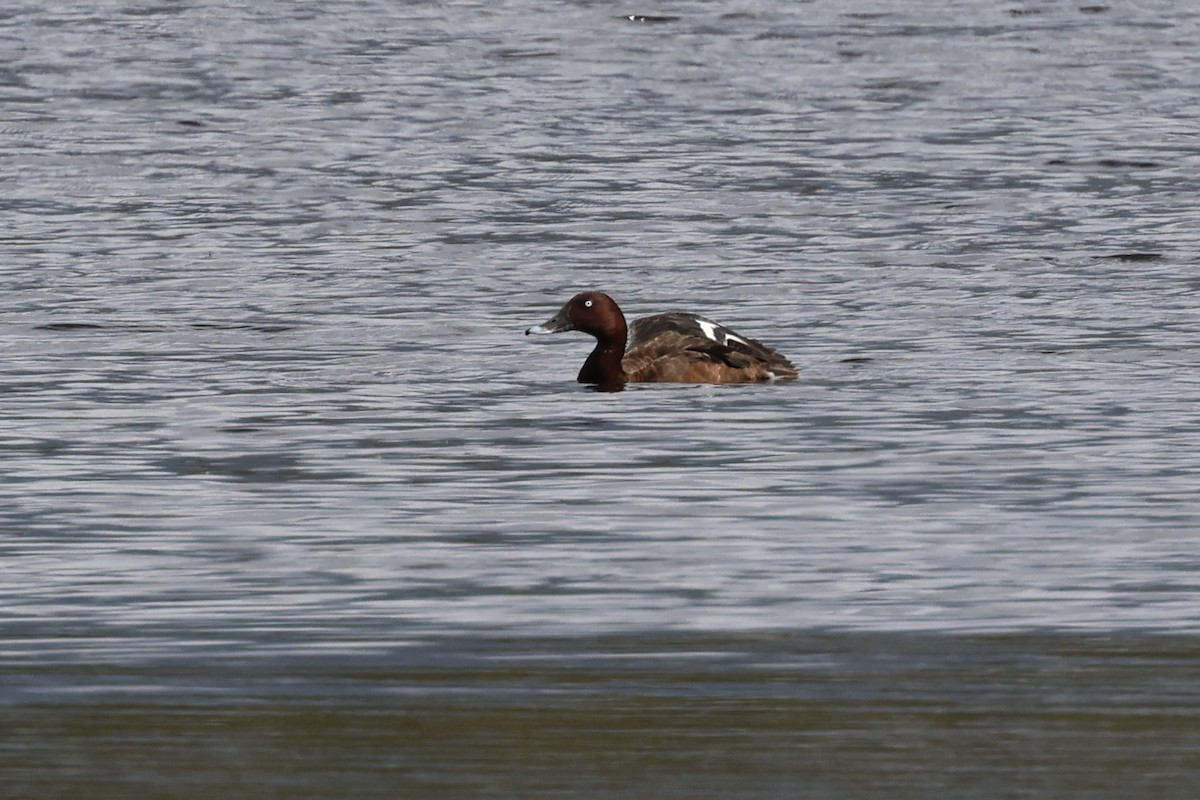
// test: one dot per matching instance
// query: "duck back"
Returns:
(688, 348)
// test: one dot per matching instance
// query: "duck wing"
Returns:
(688, 348)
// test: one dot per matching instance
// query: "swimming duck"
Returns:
(676, 347)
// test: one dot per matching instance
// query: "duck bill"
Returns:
(557, 324)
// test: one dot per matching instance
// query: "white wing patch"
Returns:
(718, 333)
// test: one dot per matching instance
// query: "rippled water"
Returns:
(288, 499)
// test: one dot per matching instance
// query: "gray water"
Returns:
(290, 508)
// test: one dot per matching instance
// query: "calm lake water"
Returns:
(289, 506)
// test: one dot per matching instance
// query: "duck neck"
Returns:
(603, 366)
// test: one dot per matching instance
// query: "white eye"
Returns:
(587, 303)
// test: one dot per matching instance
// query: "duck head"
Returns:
(593, 313)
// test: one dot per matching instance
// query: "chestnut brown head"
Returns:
(591, 312)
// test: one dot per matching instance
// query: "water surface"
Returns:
(290, 507)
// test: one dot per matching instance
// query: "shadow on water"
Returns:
(756, 715)
(81, 327)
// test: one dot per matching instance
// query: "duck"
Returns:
(675, 347)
